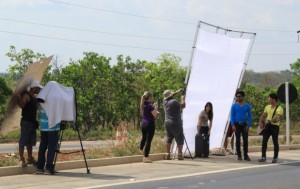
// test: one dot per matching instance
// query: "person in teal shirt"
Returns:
(49, 141)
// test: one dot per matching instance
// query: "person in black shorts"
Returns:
(29, 124)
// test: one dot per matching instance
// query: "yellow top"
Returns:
(269, 110)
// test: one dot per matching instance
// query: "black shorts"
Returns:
(28, 133)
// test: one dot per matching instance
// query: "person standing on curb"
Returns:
(49, 142)
(149, 112)
(173, 121)
(27, 101)
(241, 119)
(273, 113)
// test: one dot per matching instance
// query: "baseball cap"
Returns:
(36, 84)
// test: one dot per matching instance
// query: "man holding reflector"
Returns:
(173, 121)
(27, 101)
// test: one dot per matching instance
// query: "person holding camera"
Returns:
(273, 114)
(173, 121)
(27, 101)
(149, 112)
(241, 119)
(49, 142)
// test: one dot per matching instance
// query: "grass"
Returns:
(131, 147)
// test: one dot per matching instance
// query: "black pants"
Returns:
(273, 130)
(203, 130)
(148, 130)
(241, 129)
(49, 140)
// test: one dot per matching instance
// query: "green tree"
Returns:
(128, 85)
(294, 107)
(5, 92)
(23, 59)
(258, 99)
(164, 74)
(91, 78)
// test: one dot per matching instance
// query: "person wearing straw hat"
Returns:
(29, 105)
(173, 121)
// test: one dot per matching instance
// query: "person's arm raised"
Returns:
(22, 99)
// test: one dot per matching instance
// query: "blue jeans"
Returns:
(49, 141)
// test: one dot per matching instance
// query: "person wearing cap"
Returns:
(29, 105)
(173, 121)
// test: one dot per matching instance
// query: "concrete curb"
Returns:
(271, 148)
(17, 170)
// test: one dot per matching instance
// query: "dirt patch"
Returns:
(11, 159)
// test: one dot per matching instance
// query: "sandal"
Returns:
(23, 163)
(31, 161)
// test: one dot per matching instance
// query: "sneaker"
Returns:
(168, 156)
(147, 160)
(39, 172)
(246, 158)
(23, 162)
(240, 158)
(275, 160)
(48, 172)
(180, 157)
(31, 161)
(263, 159)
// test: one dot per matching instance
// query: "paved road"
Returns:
(271, 176)
(70, 145)
(215, 172)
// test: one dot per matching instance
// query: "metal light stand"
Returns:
(187, 149)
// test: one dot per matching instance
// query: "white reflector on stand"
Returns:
(217, 64)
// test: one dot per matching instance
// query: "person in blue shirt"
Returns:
(49, 141)
(241, 119)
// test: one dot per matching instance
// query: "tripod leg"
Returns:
(175, 153)
(60, 135)
(187, 148)
(87, 168)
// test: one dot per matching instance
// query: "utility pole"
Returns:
(298, 35)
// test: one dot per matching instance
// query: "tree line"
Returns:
(109, 93)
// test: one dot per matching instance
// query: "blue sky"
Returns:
(144, 29)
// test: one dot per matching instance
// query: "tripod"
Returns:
(187, 149)
(57, 151)
(61, 132)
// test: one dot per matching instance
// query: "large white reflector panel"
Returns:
(217, 65)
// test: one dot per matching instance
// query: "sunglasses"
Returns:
(239, 96)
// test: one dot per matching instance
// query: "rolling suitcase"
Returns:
(201, 145)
